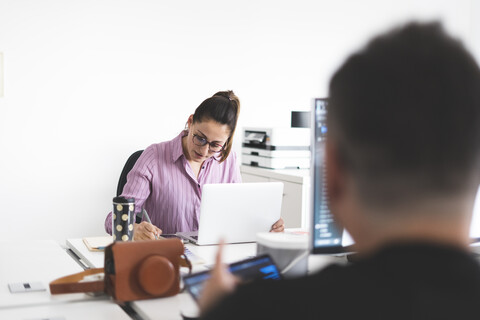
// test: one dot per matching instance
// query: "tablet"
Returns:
(256, 268)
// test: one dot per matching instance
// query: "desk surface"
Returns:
(45, 261)
(80, 310)
(232, 253)
(170, 307)
(174, 307)
(91, 259)
(31, 261)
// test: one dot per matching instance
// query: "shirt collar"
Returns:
(177, 150)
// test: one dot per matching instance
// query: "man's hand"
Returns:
(220, 283)
(278, 226)
(145, 231)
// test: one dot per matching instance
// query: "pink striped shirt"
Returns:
(163, 183)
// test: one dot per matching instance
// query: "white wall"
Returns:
(89, 82)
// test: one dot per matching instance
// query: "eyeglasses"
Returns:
(212, 146)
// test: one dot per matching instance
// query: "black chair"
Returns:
(126, 169)
(123, 176)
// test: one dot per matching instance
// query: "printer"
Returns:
(276, 148)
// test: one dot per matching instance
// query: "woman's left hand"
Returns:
(278, 226)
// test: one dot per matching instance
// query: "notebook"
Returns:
(236, 212)
(97, 243)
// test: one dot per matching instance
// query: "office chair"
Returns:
(123, 176)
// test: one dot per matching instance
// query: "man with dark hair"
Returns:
(403, 167)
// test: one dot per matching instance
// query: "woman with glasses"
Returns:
(168, 177)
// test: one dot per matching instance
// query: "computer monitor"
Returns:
(326, 236)
(475, 225)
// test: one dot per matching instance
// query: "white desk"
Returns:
(170, 307)
(31, 261)
(89, 258)
(80, 310)
(161, 308)
(173, 307)
(232, 252)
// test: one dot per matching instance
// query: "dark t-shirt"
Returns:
(409, 281)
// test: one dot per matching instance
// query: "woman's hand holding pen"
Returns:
(145, 231)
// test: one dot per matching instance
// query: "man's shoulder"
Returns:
(297, 298)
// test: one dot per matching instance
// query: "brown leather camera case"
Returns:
(143, 270)
(133, 271)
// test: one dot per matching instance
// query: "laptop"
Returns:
(236, 212)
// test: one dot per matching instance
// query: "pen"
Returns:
(145, 215)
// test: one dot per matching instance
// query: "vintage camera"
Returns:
(133, 271)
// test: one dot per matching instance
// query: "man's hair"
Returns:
(404, 113)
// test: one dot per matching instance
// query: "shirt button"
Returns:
(199, 185)
(203, 167)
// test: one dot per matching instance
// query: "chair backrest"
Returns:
(126, 169)
(123, 176)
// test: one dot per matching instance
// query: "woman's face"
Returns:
(209, 130)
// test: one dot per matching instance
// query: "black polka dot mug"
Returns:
(123, 218)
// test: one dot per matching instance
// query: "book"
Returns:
(97, 243)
